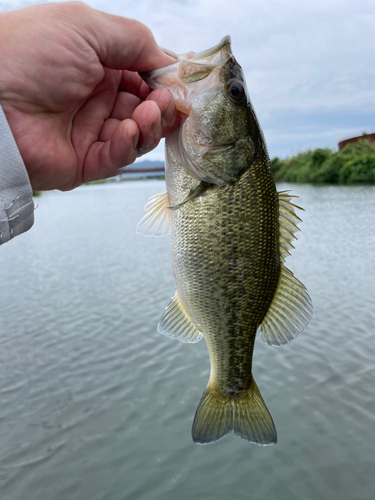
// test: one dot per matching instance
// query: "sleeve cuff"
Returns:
(16, 195)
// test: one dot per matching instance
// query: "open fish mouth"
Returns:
(190, 68)
(211, 56)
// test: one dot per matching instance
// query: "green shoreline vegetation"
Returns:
(355, 163)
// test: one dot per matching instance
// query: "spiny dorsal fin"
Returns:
(289, 313)
(155, 220)
(288, 221)
(177, 324)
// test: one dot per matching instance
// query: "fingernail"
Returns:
(169, 52)
(136, 140)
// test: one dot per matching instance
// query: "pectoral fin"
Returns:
(177, 324)
(199, 189)
(155, 220)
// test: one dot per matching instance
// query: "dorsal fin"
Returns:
(177, 324)
(289, 313)
(288, 221)
(291, 308)
(155, 221)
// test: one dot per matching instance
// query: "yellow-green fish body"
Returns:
(230, 232)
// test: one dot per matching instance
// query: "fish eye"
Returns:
(236, 91)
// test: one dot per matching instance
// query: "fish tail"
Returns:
(245, 413)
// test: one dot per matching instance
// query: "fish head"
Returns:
(219, 133)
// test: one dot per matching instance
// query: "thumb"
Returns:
(119, 42)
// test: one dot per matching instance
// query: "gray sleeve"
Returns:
(16, 196)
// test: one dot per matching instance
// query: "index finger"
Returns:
(119, 42)
(133, 83)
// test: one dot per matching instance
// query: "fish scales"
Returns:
(230, 234)
(223, 285)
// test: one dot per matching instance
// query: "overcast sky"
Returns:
(309, 64)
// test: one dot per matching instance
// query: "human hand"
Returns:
(70, 90)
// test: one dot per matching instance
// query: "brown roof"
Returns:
(367, 137)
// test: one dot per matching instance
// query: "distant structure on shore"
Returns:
(367, 137)
(146, 169)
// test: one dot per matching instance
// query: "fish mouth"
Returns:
(189, 69)
(209, 55)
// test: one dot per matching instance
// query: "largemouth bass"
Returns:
(230, 234)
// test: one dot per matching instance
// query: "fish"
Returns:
(231, 232)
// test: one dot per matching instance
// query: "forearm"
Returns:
(16, 202)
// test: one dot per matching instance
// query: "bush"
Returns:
(276, 165)
(361, 169)
(329, 172)
(354, 163)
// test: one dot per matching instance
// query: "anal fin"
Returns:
(177, 324)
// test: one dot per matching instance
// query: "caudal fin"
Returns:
(246, 414)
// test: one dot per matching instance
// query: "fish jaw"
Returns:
(188, 69)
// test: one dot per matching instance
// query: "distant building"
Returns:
(367, 137)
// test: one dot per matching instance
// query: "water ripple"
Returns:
(94, 403)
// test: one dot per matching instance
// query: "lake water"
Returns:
(95, 404)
